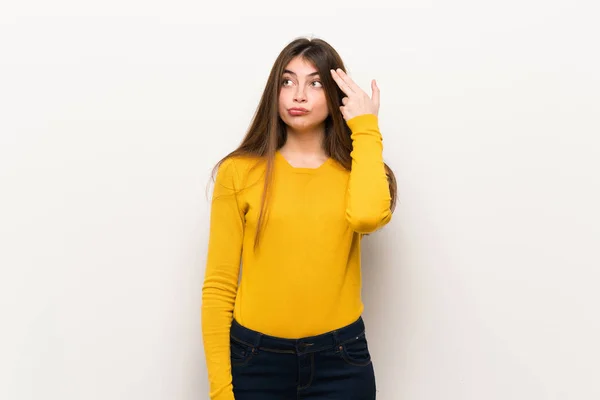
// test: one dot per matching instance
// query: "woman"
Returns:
(291, 205)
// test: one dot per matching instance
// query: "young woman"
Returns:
(291, 205)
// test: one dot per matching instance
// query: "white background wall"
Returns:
(483, 286)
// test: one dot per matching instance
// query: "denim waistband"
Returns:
(304, 345)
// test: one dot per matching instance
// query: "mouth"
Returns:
(297, 111)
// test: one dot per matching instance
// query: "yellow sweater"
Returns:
(304, 278)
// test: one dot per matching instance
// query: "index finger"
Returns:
(341, 83)
(355, 88)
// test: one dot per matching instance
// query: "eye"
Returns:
(285, 80)
(319, 82)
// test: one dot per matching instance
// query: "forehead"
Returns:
(301, 66)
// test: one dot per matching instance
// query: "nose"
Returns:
(300, 95)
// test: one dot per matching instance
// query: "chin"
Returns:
(305, 125)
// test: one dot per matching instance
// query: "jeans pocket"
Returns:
(356, 351)
(240, 352)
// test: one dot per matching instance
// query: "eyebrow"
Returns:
(293, 73)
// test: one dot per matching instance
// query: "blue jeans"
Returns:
(334, 365)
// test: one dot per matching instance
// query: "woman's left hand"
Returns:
(358, 101)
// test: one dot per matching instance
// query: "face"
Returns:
(302, 88)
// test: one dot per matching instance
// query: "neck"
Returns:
(305, 142)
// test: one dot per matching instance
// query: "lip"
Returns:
(297, 111)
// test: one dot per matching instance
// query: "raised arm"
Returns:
(368, 197)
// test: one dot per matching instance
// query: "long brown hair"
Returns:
(267, 131)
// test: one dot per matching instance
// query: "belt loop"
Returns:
(336, 338)
(257, 339)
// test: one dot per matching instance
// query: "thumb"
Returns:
(375, 96)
